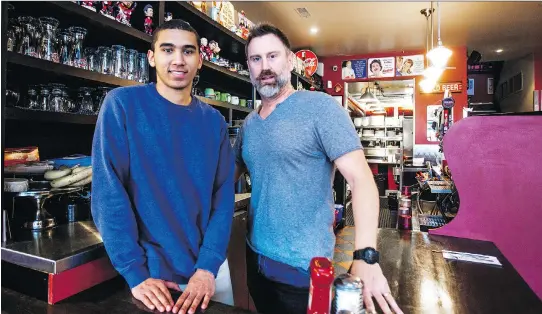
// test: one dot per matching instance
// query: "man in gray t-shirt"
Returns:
(291, 147)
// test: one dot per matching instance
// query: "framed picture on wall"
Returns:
(354, 69)
(490, 85)
(470, 89)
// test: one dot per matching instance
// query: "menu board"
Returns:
(382, 67)
(354, 69)
(409, 65)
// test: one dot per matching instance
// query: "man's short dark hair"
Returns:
(174, 24)
(263, 29)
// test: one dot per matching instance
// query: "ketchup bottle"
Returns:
(322, 276)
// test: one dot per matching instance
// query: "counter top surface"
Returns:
(420, 279)
(66, 246)
(111, 297)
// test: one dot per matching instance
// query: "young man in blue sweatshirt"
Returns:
(162, 189)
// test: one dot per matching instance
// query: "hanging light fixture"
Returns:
(368, 97)
(439, 56)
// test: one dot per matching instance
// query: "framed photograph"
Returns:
(470, 89)
(490, 87)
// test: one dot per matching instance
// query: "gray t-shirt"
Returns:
(289, 156)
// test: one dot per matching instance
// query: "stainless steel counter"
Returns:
(66, 246)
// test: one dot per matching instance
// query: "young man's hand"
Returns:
(200, 288)
(154, 294)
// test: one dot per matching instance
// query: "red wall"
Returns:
(459, 74)
(537, 70)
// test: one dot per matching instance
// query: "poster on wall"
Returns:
(470, 88)
(381, 67)
(354, 69)
(490, 86)
(409, 65)
(432, 122)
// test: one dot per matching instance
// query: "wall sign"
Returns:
(454, 87)
(354, 69)
(310, 61)
(409, 65)
(381, 67)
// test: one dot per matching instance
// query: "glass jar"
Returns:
(102, 92)
(64, 40)
(92, 60)
(143, 66)
(86, 105)
(118, 61)
(78, 55)
(104, 57)
(17, 34)
(131, 64)
(32, 97)
(31, 35)
(44, 98)
(58, 103)
(48, 49)
(71, 105)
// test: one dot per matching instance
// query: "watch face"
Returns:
(371, 256)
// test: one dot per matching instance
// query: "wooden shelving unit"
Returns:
(12, 113)
(36, 64)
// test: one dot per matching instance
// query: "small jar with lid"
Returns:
(348, 296)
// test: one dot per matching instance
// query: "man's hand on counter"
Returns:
(375, 286)
(154, 293)
(200, 288)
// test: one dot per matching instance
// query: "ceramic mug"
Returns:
(234, 100)
(209, 93)
(217, 95)
(250, 103)
(225, 97)
(243, 102)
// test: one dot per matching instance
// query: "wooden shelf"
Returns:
(306, 80)
(12, 113)
(97, 19)
(66, 70)
(225, 71)
(210, 22)
(222, 104)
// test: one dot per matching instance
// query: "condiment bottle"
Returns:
(322, 275)
(348, 295)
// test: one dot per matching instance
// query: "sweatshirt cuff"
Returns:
(208, 260)
(136, 275)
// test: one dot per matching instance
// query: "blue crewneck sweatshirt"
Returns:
(162, 187)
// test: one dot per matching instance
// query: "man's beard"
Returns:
(270, 90)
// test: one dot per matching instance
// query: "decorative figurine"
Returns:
(89, 5)
(213, 45)
(168, 17)
(205, 50)
(107, 9)
(125, 11)
(149, 13)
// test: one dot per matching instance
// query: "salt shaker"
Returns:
(348, 295)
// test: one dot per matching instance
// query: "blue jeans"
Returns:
(276, 287)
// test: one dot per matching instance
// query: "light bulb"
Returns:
(439, 56)
(433, 73)
(428, 85)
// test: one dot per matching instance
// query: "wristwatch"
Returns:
(368, 254)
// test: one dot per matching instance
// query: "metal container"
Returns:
(348, 296)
